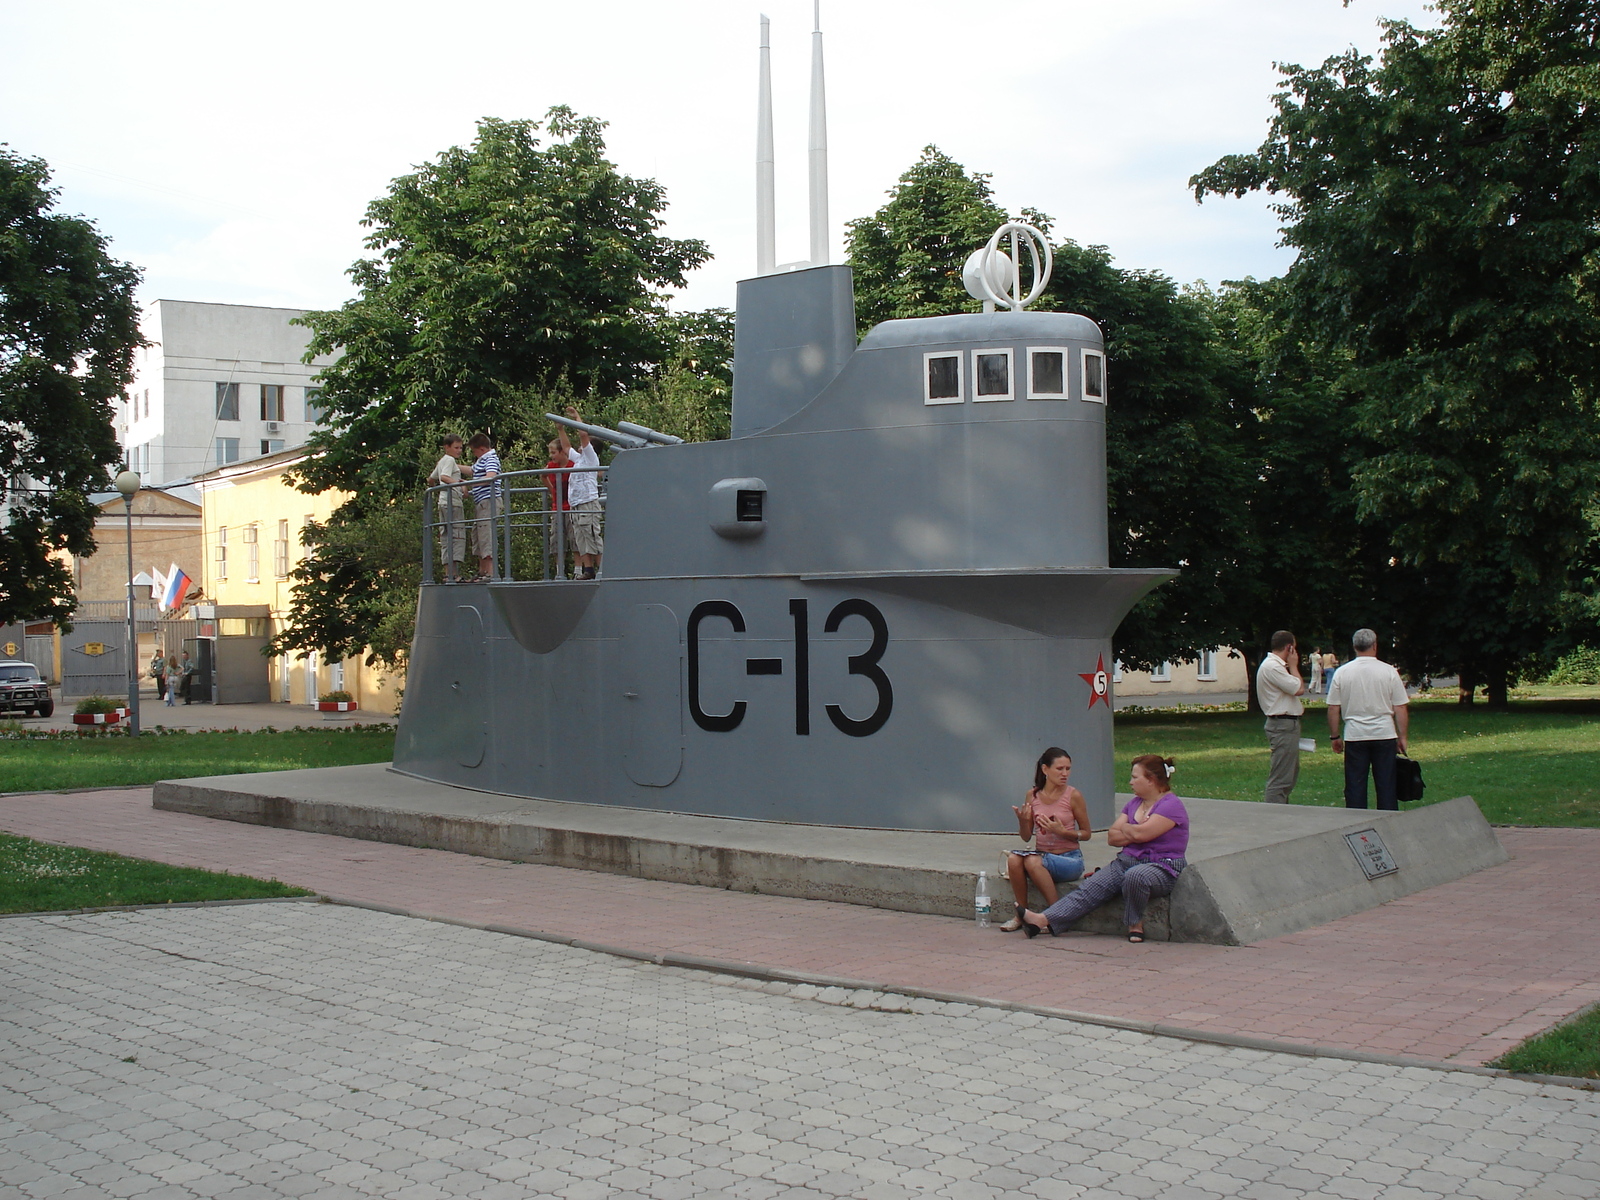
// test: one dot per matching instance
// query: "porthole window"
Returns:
(941, 378)
(1047, 373)
(991, 374)
(1094, 376)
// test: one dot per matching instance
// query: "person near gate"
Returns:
(1279, 688)
(186, 673)
(158, 672)
(1368, 696)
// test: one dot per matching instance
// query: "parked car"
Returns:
(22, 689)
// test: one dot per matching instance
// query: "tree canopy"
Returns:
(504, 266)
(1444, 203)
(69, 326)
(507, 278)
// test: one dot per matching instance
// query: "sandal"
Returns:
(1136, 935)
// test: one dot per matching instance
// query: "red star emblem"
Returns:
(1099, 683)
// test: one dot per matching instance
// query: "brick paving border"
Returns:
(1455, 975)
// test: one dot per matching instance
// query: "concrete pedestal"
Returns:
(1256, 870)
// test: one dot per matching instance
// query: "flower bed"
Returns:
(99, 718)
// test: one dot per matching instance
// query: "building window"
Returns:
(272, 402)
(227, 451)
(314, 409)
(1047, 374)
(222, 551)
(271, 446)
(252, 554)
(991, 374)
(147, 402)
(1162, 673)
(941, 378)
(1094, 376)
(280, 551)
(227, 401)
(1207, 672)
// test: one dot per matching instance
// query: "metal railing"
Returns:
(528, 540)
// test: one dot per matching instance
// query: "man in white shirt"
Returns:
(583, 494)
(1279, 688)
(1367, 693)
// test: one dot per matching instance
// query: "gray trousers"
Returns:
(1135, 882)
(452, 530)
(1283, 735)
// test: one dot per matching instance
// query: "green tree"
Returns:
(1445, 209)
(68, 328)
(907, 256)
(506, 265)
(505, 279)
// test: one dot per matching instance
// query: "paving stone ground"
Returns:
(1457, 973)
(305, 1050)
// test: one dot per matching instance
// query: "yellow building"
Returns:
(251, 523)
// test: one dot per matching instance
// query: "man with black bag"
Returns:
(1370, 698)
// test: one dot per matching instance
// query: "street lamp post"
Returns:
(128, 485)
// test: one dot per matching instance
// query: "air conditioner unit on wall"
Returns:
(273, 426)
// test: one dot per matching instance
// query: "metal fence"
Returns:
(526, 540)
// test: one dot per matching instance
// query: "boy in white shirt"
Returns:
(447, 511)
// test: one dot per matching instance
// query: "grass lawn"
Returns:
(118, 760)
(1570, 1049)
(37, 877)
(1536, 764)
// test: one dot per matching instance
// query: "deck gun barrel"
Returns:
(650, 435)
(626, 440)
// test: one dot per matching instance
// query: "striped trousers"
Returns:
(1136, 882)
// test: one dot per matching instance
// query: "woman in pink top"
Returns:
(1054, 816)
(1153, 832)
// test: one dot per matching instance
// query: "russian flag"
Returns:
(178, 585)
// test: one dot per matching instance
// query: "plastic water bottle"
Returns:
(980, 902)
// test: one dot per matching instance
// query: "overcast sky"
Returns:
(230, 149)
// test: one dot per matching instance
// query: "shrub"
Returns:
(1580, 666)
(342, 697)
(97, 704)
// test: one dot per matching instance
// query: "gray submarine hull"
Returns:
(874, 606)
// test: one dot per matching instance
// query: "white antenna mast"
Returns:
(818, 146)
(766, 224)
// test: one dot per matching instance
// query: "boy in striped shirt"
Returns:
(487, 496)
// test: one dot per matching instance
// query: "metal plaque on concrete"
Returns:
(1371, 853)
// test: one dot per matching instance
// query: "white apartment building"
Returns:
(218, 384)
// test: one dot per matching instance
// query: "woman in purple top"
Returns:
(1153, 832)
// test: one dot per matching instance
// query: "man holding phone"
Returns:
(1279, 688)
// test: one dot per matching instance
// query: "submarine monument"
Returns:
(874, 605)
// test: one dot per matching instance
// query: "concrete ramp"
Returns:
(1256, 870)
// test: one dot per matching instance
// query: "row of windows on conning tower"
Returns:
(945, 375)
